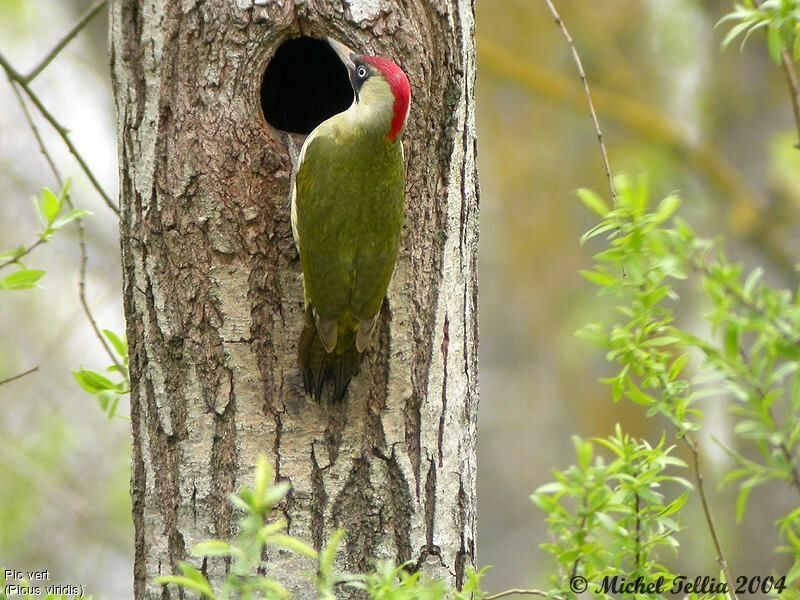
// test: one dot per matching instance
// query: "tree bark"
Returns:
(213, 298)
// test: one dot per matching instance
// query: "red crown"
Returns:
(398, 82)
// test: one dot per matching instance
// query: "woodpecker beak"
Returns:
(344, 53)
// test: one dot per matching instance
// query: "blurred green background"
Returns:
(715, 126)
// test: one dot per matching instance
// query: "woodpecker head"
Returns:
(382, 91)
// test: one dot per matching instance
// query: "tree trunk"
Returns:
(213, 298)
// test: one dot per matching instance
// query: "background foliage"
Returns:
(712, 127)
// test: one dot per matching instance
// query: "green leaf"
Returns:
(70, 217)
(593, 202)
(37, 207)
(608, 523)
(214, 548)
(196, 576)
(794, 572)
(638, 396)
(603, 279)
(240, 503)
(775, 42)
(106, 398)
(293, 544)
(741, 502)
(187, 583)
(51, 205)
(121, 346)
(328, 554)
(677, 366)
(24, 279)
(667, 208)
(731, 342)
(664, 340)
(13, 254)
(553, 487)
(675, 505)
(796, 46)
(93, 382)
(112, 409)
(584, 451)
(263, 477)
(276, 493)
(734, 33)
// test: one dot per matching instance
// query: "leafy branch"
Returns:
(17, 79)
(49, 210)
(781, 19)
(755, 359)
(635, 206)
(84, 257)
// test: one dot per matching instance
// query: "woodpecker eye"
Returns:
(361, 72)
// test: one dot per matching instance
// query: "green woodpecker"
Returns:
(347, 215)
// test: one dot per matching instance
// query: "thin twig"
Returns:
(15, 77)
(701, 490)
(32, 125)
(19, 376)
(588, 93)
(794, 89)
(76, 29)
(22, 254)
(521, 592)
(85, 303)
(84, 256)
(581, 529)
(791, 460)
(638, 531)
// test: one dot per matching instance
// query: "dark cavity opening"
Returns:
(304, 84)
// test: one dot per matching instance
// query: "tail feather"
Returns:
(317, 365)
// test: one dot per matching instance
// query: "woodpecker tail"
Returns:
(317, 364)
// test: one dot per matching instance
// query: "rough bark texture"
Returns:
(213, 298)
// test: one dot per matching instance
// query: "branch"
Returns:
(791, 80)
(521, 592)
(23, 254)
(689, 440)
(29, 119)
(588, 94)
(794, 89)
(638, 509)
(76, 29)
(84, 257)
(791, 460)
(19, 376)
(701, 489)
(15, 77)
(582, 529)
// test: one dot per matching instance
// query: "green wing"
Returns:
(349, 215)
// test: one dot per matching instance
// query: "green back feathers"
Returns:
(348, 212)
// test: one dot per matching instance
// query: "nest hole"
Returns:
(304, 84)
